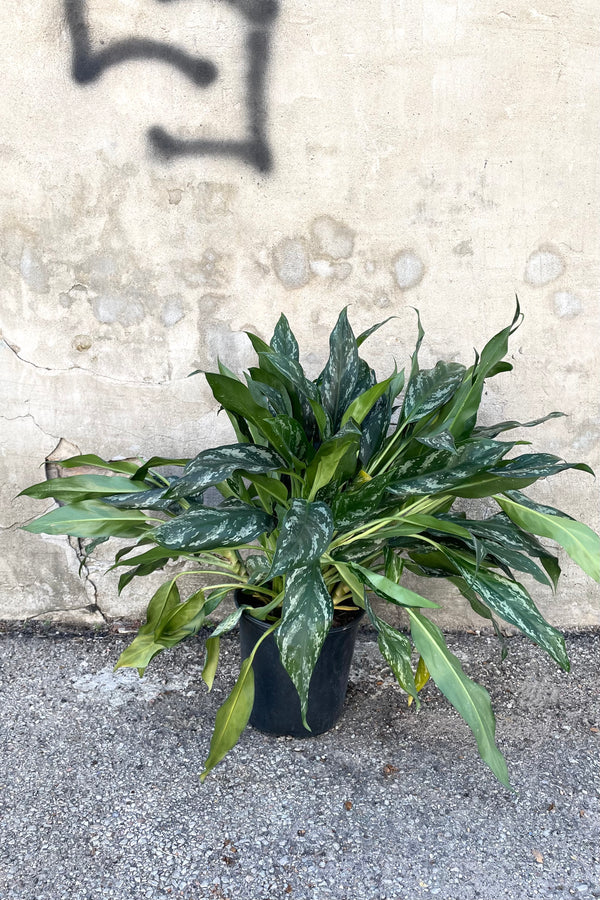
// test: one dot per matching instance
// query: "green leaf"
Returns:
(140, 653)
(439, 440)
(154, 499)
(74, 488)
(156, 462)
(430, 389)
(235, 398)
(124, 466)
(580, 542)
(283, 340)
(376, 424)
(335, 460)
(471, 700)
(357, 506)
(362, 405)
(212, 466)
(90, 518)
(209, 528)
(396, 650)
(537, 465)
(305, 621)
(442, 471)
(288, 438)
(366, 334)
(511, 602)
(211, 662)
(389, 590)
(269, 487)
(338, 379)
(231, 718)
(461, 414)
(304, 535)
(492, 431)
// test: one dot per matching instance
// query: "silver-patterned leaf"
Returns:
(212, 466)
(209, 528)
(305, 621)
(304, 536)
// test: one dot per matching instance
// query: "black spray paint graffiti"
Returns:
(88, 64)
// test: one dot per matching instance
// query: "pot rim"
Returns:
(335, 629)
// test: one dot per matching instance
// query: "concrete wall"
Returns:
(177, 172)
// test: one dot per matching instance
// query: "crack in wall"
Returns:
(100, 376)
(90, 586)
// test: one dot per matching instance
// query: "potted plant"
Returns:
(333, 491)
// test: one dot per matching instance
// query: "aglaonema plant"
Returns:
(335, 489)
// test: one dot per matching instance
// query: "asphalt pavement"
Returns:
(100, 795)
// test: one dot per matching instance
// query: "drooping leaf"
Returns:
(511, 602)
(396, 650)
(471, 700)
(389, 590)
(305, 621)
(537, 465)
(231, 718)
(211, 661)
(209, 528)
(492, 431)
(75, 488)
(125, 466)
(580, 542)
(90, 518)
(212, 466)
(304, 535)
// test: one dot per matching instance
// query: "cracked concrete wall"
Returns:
(386, 155)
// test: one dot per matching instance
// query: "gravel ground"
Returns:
(100, 796)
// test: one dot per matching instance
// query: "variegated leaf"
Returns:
(212, 466)
(209, 528)
(304, 536)
(430, 389)
(305, 621)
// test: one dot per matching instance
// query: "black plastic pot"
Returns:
(276, 707)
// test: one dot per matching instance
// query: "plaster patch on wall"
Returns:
(172, 312)
(175, 195)
(567, 305)
(291, 262)
(232, 347)
(465, 248)
(110, 308)
(324, 268)
(77, 292)
(332, 238)
(408, 269)
(33, 271)
(543, 266)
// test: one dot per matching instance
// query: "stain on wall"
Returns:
(90, 62)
